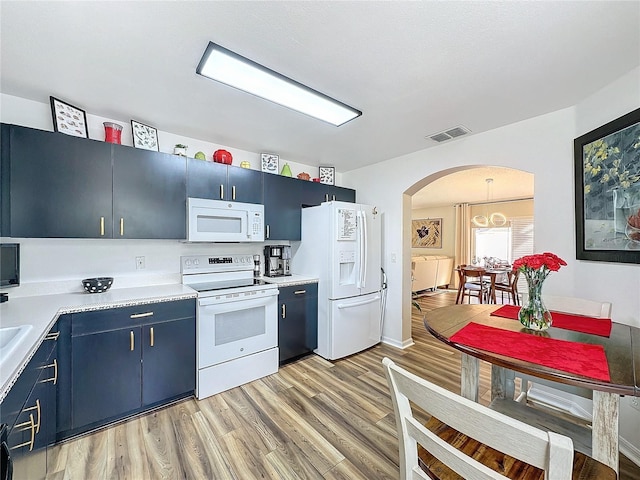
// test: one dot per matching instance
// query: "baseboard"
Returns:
(405, 344)
(630, 451)
(559, 400)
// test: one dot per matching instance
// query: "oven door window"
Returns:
(239, 325)
(234, 329)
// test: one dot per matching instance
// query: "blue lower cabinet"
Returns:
(106, 375)
(125, 360)
(297, 321)
(33, 426)
(168, 360)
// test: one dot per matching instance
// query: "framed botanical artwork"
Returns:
(327, 175)
(426, 233)
(68, 119)
(607, 191)
(144, 136)
(269, 162)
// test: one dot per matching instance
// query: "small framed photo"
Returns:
(68, 119)
(269, 162)
(144, 136)
(327, 175)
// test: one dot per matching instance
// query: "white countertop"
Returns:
(290, 280)
(43, 310)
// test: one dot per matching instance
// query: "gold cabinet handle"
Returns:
(102, 226)
(151, 335)
(284, 310)
(30, 425)
(121, 226)
(299, 292)
(233, 192)
(52, 336)
(132, 341)
(141, 315)
(36, 407)
(54, 379)
(221, 192)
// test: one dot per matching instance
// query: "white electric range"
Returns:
(237, 321)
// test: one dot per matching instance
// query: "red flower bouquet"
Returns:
(535, 268)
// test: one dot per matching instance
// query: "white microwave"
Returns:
(222, 221)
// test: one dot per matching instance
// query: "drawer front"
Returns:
(296, 292)
(86, 323)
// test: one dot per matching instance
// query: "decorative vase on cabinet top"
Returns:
(222, 156)
(286, 171)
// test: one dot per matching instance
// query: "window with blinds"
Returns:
(506, 243)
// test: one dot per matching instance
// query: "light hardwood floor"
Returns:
(314, 419)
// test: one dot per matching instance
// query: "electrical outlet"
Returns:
(635, 402)
(140, 263)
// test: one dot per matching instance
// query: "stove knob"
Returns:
(196, 262)
(187, 262)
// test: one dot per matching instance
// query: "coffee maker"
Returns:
(277, 260)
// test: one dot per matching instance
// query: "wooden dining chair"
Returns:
(568, 399)
(510, 287)
(481, 434)
(472, 283)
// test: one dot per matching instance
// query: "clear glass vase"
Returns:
(534, 315)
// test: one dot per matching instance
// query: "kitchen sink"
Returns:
(10, 338)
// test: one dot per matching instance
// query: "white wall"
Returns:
(544, 147)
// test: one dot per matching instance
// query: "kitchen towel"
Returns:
(577, 323)
(571, 357)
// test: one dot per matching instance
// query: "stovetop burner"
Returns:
(222, 274)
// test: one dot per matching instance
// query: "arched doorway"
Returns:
(498, 199)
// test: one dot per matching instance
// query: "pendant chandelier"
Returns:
(495, 219)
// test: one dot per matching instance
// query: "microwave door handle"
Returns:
(246, 224)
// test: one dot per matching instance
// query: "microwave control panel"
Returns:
(256, 224)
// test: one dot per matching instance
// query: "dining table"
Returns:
(501, 343)
(493, 273)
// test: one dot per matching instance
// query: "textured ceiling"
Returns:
(413, 68)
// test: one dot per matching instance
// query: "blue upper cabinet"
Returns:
(216, 181)
(55, 185)
(149, 194)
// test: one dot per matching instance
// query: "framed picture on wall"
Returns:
(144, 136)
(68, 119)
(426, 233)
(327, 175)
(607, 191)
(269, 162)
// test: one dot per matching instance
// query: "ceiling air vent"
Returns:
(449, 134)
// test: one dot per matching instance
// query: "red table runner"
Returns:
(577, 323)
(572, 357)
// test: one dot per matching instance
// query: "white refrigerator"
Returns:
(341, 246)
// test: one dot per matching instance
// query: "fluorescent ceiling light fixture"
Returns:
(234, 70)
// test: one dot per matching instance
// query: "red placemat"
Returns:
(577, 323)
(572, 357)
